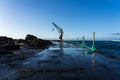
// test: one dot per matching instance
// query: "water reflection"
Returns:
(61, 47)
(83, 51)
(93, 62)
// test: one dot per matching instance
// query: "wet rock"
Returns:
(11, 47)
(8, 73)
(3, 51)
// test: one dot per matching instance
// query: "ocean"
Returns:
(109, 48)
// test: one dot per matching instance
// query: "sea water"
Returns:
(111, 48)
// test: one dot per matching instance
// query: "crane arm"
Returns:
(58, 28)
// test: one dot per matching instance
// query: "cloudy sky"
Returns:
(75, 17)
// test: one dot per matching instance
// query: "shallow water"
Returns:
(72, 64)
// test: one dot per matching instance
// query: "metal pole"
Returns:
(83, 38)
(93, 38)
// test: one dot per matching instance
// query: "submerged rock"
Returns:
(8, 73)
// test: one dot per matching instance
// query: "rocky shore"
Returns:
(8, 45)
(31, 59)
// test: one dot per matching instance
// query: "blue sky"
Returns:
(75, 17)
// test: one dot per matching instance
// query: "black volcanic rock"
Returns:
(10, 47)
(20, 42)
(29, 38)
(32, 41)
(6, 40)
(40, 44)
(7, 44)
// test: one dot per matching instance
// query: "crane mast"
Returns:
(60, 31)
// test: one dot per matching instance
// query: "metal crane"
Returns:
(60, 31)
